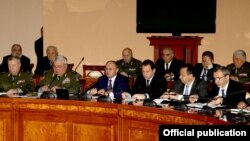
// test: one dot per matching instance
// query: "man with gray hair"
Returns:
(240, 68)
(226, 91)
(16, 50)
(47, 61)
(60, 78)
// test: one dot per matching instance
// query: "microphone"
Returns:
(208, 110)
(79, 63)
(47, 94)
(52, 81)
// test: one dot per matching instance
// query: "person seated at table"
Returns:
(47, 61)
(226, 91)
(128, 65)
(188, 87)
(148, 85)
(112, 84)
(240, 68)
(16, 81)
(60, 78)
(16, 50)
(168, 66)
(205, 69)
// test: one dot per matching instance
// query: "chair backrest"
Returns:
(70, 66)
(93, 70)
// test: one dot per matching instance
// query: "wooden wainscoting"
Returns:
(60, 120)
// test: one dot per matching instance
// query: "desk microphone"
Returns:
(79, 63)
(207, 110)
(48, 94)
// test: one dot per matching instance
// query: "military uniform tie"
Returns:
(109, 85)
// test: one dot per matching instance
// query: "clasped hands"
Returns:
(218, 100)
(47, 89)
(174, 96)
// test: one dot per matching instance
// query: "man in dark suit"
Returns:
(168, 66)
(112, 83)
(16, 50)
(39, 53)
(188, 87)
(47, 61)
(205, 69)
(226, 91)
(148, 85)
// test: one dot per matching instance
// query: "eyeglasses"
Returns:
(59, 66)
(218, 78)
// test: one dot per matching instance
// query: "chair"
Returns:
(90, 75)
(93, 70)
(70, 66)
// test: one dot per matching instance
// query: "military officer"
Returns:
(16, 81)
(60, 78)
(240, 68)
(129, 66)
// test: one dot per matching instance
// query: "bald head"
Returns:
(127, 55)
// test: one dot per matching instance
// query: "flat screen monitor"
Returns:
(176, 16)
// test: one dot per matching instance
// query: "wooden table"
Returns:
(60, 120)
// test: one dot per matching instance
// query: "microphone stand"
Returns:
(79, 63)
(47, 94)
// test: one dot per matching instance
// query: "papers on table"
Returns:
(3, 93)
(237, 111)
(201, 105)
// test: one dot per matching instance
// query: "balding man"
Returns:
(129, 66)
(16, 50)
(240, 68)
(168, 66)
(112, 83)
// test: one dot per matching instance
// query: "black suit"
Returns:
(46, 65)
(39, 55)
(174, 67)
(157, 86)
(234, 94)
(199, 87)
(198, 68)
(25, 64)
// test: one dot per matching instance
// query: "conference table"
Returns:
(34, 119)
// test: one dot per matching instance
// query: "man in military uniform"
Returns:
(60, 78)
(129, 66)
(240, 68)
(16, 81)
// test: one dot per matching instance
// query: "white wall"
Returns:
(21, 21)
(100, 29)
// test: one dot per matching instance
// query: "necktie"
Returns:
(223, 93)
(186, 90)
(236, 71)
(205, 74)
(147, 83)
(166, 65)
(109, 85)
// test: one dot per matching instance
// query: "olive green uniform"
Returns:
(133, 68)
(69, 80)
(22, 81)
(243, 73)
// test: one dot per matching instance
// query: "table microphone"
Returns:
(79, 63)
(207, 110)
(47, 94)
